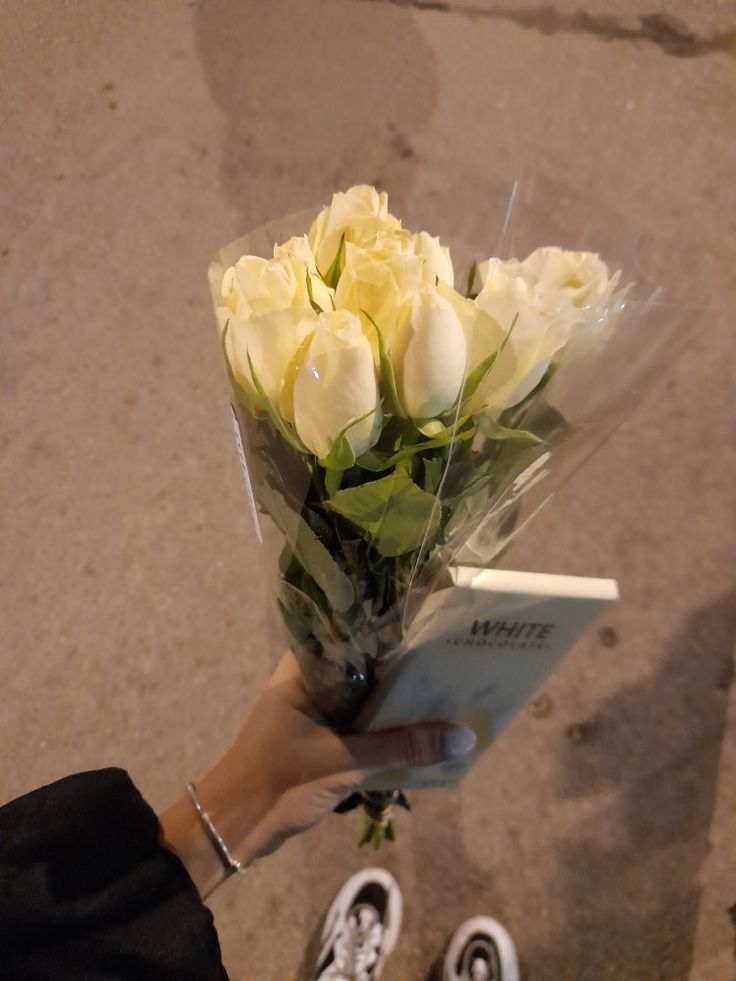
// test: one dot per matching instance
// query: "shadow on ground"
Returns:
(636, 869)
(364, 93)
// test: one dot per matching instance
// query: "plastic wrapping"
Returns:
(363, 541)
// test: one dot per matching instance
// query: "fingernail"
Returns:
(458, 741)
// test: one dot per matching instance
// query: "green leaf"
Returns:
(472, 270)
(309, 550)
(241, 395)
(375, 462)
(367, 832)
(432, 428)
(306, 618)
(341, 455)
(480, 474)
(397, 515)
(286, 398)
(476, 376)
(480, 372)
(388, 376)
(434, 467)
(288, 475)
(492, 429)
(443, 434)
(286, 431)
(332, 275)
(333, 479)
(315, 306)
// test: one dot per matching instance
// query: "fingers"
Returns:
(411, 746)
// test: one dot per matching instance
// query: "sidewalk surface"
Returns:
(139, 137)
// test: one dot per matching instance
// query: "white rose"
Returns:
(267, 307)
(563, 278)
(335, 385)
(378, 282)
(535, 338)
(297, 255)
(437, 262)
(270, 340)
(577, 287)
(429, 356)
(574, 289)
(254, 286)
(360, 214)
(484, 335)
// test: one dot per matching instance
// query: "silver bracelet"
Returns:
(228, 859)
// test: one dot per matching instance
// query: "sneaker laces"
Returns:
(357, 948)
(479, 970)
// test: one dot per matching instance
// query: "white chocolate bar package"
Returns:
(478, 651)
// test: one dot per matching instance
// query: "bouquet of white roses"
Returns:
(392, 422)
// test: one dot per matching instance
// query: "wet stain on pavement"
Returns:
(669, 34)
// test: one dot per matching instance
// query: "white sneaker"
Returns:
(481, 950)
(361, 928)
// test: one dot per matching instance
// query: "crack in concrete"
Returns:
(668, 33)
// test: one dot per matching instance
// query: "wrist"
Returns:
(232, 807)
(234, 804)
(183, 833)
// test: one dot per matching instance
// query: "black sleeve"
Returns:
(87, 890)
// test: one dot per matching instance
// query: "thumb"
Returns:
(410, 746)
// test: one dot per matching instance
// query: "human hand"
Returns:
(285, 771)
